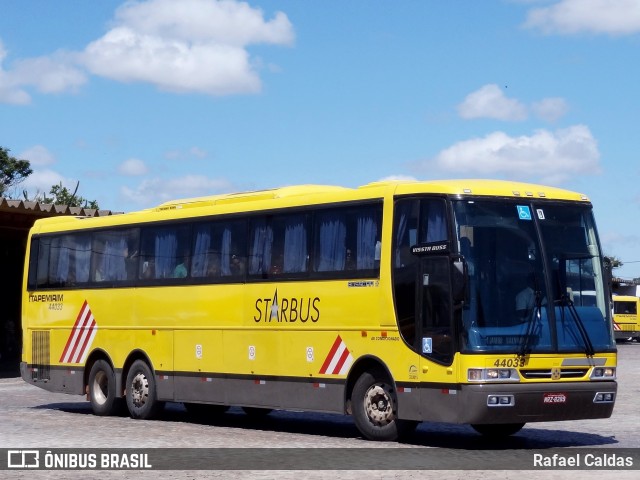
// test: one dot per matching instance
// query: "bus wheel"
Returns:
(375, 408)
(257, 412)
(498, 430)
(142, 400)
(102, 389)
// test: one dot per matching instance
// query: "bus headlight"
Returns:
(500, 401)
(492, 375)
(604, 397)
(603, 373)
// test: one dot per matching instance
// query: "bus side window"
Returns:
(348, 239)
(165, 252)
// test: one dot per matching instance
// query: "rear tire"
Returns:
(142, 400)
(499, 430)
(102, 389)
(375, 408)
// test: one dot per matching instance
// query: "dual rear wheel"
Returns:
(141, 397)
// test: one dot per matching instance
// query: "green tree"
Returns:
(615, 262)
(12, 170)
(62, 196)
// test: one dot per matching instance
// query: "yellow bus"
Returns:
(626, 325)
(467, 301)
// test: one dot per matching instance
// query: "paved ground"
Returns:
(33, 418)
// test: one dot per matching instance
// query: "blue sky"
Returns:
(147, 101)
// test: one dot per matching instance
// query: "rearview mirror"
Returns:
(459, 276)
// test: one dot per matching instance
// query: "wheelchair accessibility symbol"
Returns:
(524, 213)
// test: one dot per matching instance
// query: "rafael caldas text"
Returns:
(582, 460)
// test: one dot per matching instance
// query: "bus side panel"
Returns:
(199, 365)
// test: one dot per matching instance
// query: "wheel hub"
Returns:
(139, 390)
(100, 388)
(379, 405)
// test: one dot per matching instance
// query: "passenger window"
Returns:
(165, 252)
(115, 255)
(348, 239)
(218, 250)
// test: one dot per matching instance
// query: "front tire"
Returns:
(375, 408)
(102, 389)
(142, 400)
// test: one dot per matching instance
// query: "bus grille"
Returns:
(41, 368)
(546, 373)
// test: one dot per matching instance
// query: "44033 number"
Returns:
(513, 362)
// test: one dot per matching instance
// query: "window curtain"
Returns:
(200, 261)
(83, 258)
(225, 252)
(113, 260)
(62, 263)
(166, 247)
(332, 239)
(436, 223)
(295, 246)
(404, 211)
(366, 247)
(261, 250)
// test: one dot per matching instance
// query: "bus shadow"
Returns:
(455, 437)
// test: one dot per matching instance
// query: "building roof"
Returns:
(18, 216)
(46, 209)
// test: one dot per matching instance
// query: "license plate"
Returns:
(553, 398)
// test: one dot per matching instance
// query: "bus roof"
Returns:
(314, 194)
(625, 298)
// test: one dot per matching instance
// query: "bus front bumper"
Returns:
(535, 402)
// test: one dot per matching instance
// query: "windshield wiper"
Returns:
(565, 301)
(533, 323)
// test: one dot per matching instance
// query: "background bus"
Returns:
(474, 302)
(625, 317)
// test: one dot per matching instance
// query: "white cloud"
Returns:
(547, 157)
(41, 181)
(133, 167)
(613, 17)
(172, 65)
(198, 152)
(198, 47)
(10, 91)
(154, 191)
(38, 156)
(398, 178)
(491, 102)
(53, 74)
(550, 109)
(191, 46)
(226, 22)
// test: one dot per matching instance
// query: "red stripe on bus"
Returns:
(332, 352)
(86, 340)
(79, 329)
(75, 325)
(343, 358)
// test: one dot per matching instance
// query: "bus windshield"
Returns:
(535, 278)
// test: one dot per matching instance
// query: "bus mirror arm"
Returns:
(608, 272)
(459, 280)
